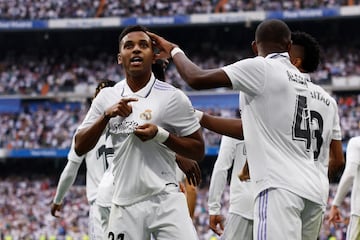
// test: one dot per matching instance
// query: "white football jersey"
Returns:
(232, 154)
(142, 169)
(326, 127)
(96, 165)
(276, 119)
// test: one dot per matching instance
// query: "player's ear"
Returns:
(297, 62)
(254, 47)
(119, 58)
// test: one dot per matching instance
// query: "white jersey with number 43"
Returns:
(276, 122)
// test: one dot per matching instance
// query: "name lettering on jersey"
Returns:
(318, 96)
(146, 115)
(298, 78)
(122, 127)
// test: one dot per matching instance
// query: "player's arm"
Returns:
(344, 185)
(191, 196)
(218, 182)
(336, 158)
(347, 178)
(87, 137)
(231, 127)
(191, 146)
(196, 77)
(66, 180)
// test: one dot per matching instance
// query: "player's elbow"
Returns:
(79, 147)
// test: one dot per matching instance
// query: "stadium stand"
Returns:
(53, 53)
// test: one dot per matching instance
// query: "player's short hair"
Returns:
(103, 84)
(273, 31)
(158, 68)
(129, 29)
(311, 59)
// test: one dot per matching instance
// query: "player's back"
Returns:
(277, 128)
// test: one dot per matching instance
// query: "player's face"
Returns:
(136, 53)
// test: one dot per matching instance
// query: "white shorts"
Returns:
(237, 227)
(104, 217)
(282, 215)
(353, 232)
(95, 229)
(165, 216)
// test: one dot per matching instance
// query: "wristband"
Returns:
(162, 135)
(176, 50)
(199, 114)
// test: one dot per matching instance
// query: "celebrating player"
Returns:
(147, 121)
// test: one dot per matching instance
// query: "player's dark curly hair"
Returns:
(129, 29)
(311, 47)
(103, 84)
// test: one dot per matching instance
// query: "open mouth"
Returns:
(135, 61)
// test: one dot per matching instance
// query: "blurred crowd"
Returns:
(30, 74)
(55, 9)
(25, 211)
(49, 124)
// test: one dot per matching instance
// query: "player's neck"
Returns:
(137, 82)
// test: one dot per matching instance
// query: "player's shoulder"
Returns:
(167, 90)
(164, 86)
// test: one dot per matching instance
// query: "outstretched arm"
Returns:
(231, 127)
(196, 77)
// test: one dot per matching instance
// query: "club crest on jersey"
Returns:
(146, 115)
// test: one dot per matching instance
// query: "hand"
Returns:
(163, 45)
(122, 108)
(190, 168)
(334, 216)
(216, 220)
(244, 174)
(182, 188)
(55, 208)
(146, 132)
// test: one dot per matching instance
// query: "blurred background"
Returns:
(54, 53)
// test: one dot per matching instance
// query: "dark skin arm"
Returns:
(336, 161)
(196, 77)
(231, 127)
(191, 146)
(86, 138)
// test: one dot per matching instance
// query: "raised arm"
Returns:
(196, 77)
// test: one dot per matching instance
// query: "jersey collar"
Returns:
(278, 55)
(143, 93)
